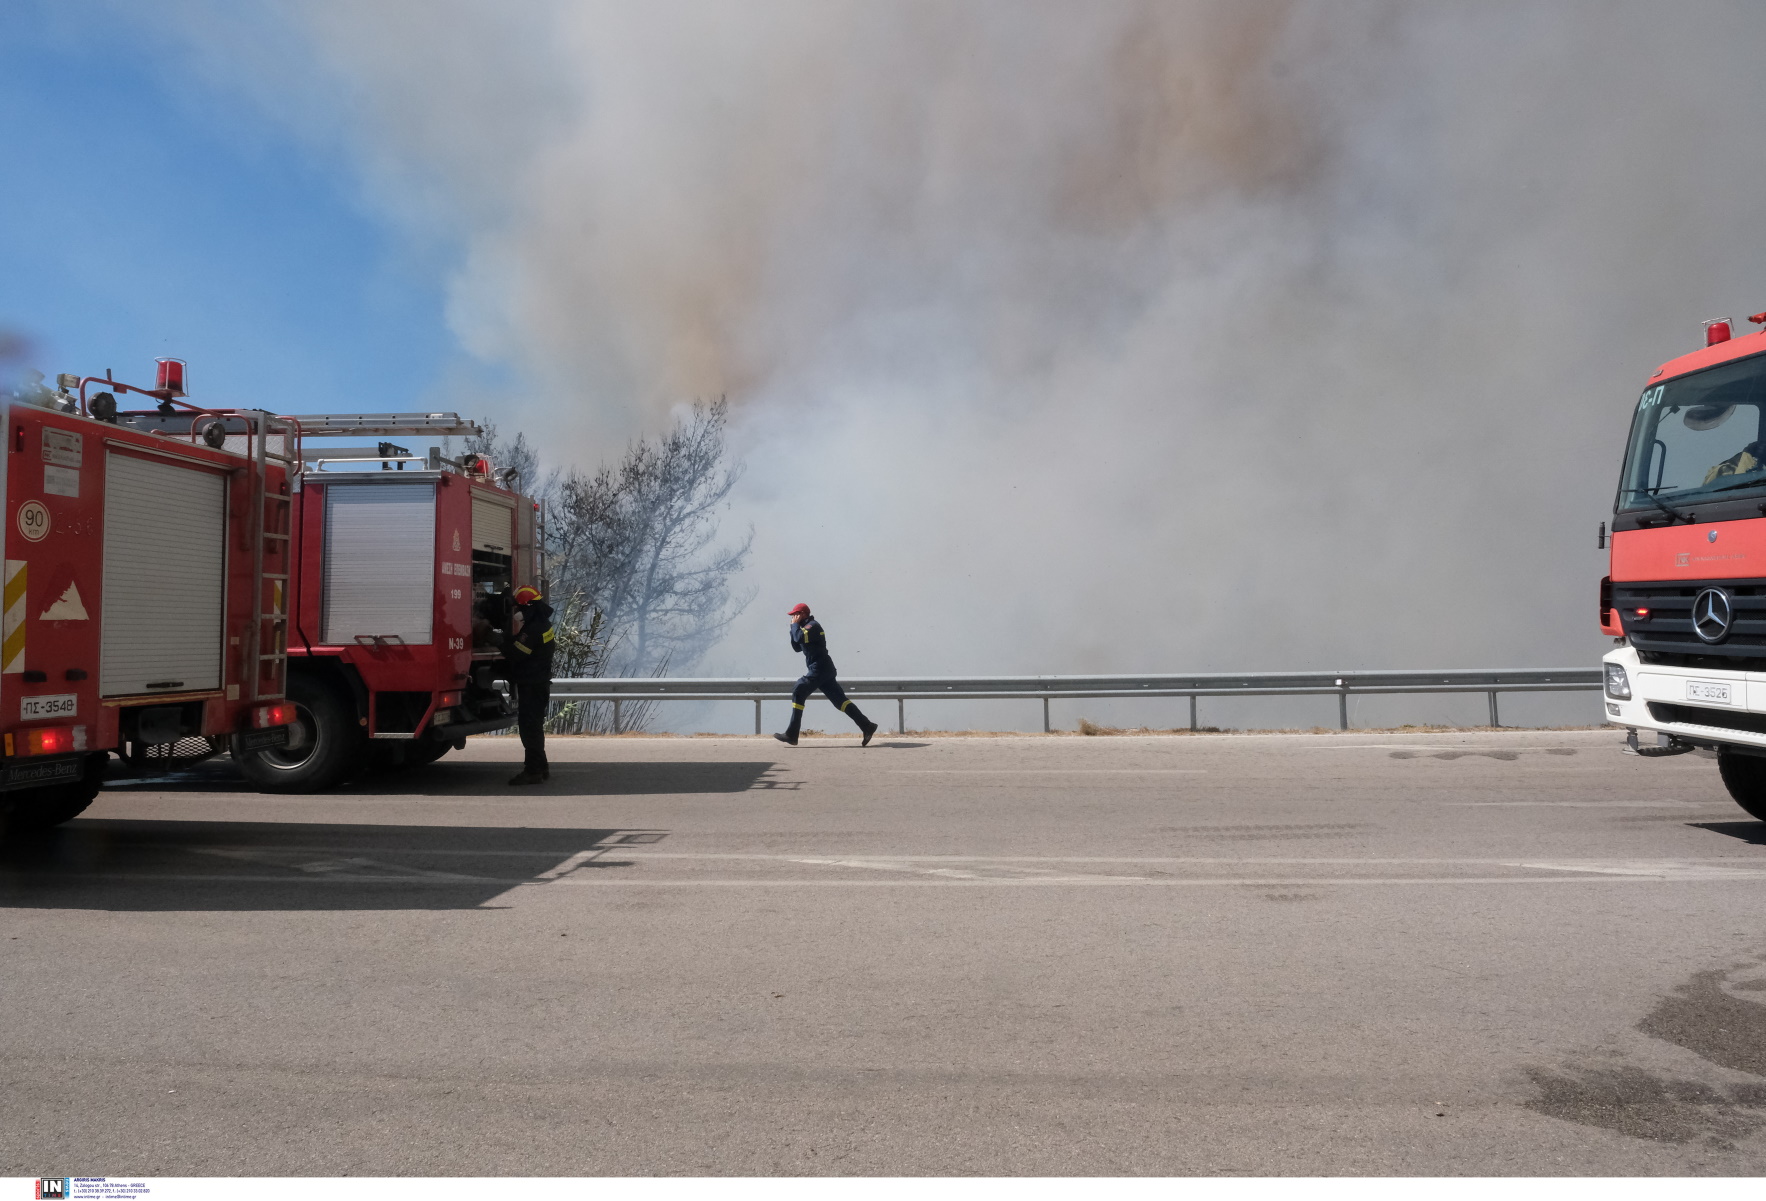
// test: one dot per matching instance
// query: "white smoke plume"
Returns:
(1061, 337)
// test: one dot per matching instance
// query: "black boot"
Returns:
(789, 737)
(865, 725)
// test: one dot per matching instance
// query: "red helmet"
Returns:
(800, 607)
(527, 594)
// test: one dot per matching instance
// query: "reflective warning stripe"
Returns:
(12, 629)
(547, 636)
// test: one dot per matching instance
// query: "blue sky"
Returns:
(143, 214)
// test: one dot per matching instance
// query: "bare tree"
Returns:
(638, 539)
(639, 584)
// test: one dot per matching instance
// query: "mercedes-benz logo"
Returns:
(1711, 615)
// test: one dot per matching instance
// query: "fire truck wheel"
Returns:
(1745, 777)
(45, 808)
(325, 743)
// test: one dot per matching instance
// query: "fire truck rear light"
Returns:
(449, 700)
(265, 716)
(1716, 331)
(170, 376)
(45, 740)
(1643, 613)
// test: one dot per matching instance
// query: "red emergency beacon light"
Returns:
(169, 379)
(1717, 331)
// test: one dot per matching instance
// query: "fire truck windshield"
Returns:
(1699, 437)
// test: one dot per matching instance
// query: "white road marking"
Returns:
(576, 858)
(1182, 860)
(510, 885)
(957, 871)
(1674, 869)
(1579, 804)
(296, 860)
(1138, 881)
(1040, 875)
(570, 864)
(1464, 747)
(1048, 771)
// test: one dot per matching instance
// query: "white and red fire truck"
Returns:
(141, 585)
(396, 582)
(1685, 597)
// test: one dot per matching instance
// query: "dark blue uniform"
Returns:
(812, 641)
(527, 665)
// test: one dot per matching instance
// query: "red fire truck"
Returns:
(398, 584)
(1686, 597)
(141, 586)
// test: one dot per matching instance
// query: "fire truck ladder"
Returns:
(386, 425)
(270, 438)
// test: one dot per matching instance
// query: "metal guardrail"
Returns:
(1341, 684)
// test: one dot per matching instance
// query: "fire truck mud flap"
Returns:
(457, 733)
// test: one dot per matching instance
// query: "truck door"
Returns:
(379, 562)
(165, 542)
(493, 543)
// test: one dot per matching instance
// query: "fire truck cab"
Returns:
(1685, 597)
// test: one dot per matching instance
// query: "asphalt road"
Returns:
(1367, 954)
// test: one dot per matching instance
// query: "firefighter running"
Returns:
(808, 636)
(527, 657)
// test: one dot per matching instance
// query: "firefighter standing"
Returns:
(527, 657)
(808, 636)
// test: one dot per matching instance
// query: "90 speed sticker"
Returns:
(33, 520)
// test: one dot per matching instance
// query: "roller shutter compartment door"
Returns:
(379, 562)
(493, 525)
(165, 577)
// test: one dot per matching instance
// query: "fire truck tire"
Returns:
(46, 808)
(328, 745)
(1745, 777)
